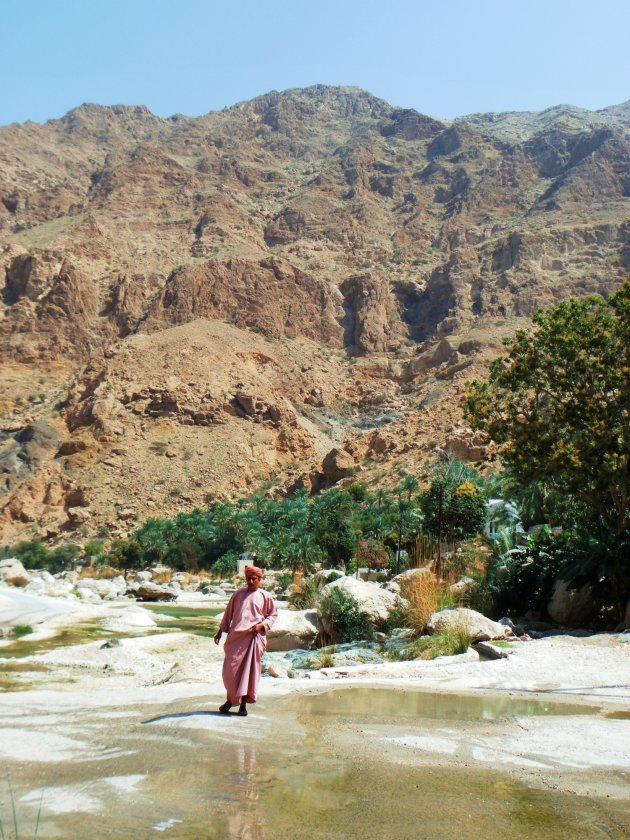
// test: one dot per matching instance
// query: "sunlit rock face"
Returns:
(345, 262)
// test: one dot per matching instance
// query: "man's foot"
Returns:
(225, 708)
(242, 710)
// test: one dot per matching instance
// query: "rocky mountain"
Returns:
(193, 306)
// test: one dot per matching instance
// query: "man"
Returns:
(249, 614)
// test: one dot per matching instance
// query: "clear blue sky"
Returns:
(445, 58)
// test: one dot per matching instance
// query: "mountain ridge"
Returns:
(404, 247)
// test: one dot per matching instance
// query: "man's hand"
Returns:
(217, 638)
(257, 628)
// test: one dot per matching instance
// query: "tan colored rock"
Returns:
(154, 592)
(78, 515)
(406, 579)
(337, 464)
(466, 445)
(294, 629)
(477, 625)
(374, 601)
(13, 572)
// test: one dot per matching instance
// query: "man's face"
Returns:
(253, 580)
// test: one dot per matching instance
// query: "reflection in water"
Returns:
(248, 822)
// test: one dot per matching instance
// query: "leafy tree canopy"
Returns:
(559, 404)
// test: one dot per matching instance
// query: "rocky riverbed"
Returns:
(110, 726)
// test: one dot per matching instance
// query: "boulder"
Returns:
(142, 577)
(43, 575)
(86, 594)
(13, 572)
(294, 629)
(154, 592)
(571, 607)
(78, 515)
(214, 590)
(54, 589)
(479, 627)
(374, 601)
(462, 586)
(405, 578)
(134, 618)
(324, 574)
(106, 589)
(487, 650)
(337, 464)
(277, 670)
(466, 445)
(161, 574)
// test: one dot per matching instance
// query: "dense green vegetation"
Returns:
(35, 555)
(559, 408)
(295, 532)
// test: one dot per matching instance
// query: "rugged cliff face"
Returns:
(322, 226)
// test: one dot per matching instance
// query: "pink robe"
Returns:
(243, 649)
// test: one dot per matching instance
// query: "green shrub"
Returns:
(94, 548)
(325, 658)
(305, 594)
(125, 554)
(34, 555)
(341, 612)
(284, 580)
(226, 564)
(20, 630)
(358, 491)
(525, 577)
(398, 616)
(452, 641)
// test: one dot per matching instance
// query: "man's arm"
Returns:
(270, 611)
(224, 626)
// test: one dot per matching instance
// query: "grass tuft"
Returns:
(21, 630)
(452, 641)
(305, 594)
(425, 594)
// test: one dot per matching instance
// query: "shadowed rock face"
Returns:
(311, 249)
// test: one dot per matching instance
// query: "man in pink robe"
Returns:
(249, 614)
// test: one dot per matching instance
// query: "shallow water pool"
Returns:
(295, 768)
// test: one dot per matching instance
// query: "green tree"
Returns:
(452, 511)
(558, 406)
(332, 521)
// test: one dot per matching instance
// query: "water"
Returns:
(388, 704)
(21, 676)
(77, 634)
(201, 622)
(297, 767)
